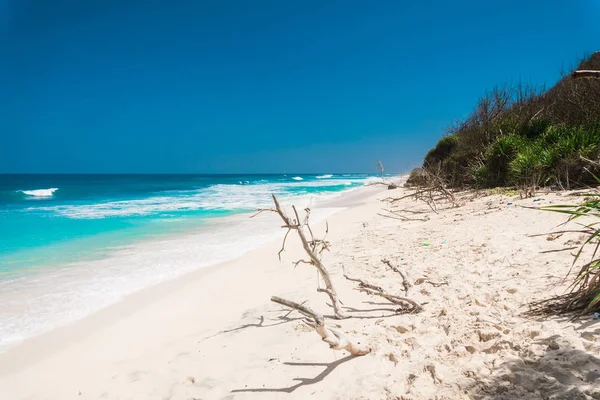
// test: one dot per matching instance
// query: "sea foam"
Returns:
(326, 176)
(220, 197)
(33, 306)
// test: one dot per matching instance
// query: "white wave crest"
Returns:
(324, 176)
(297, 178)
(222, 197)
(39, 192)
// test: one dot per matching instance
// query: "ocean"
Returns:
(73, 244)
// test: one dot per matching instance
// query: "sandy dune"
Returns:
(213, 334)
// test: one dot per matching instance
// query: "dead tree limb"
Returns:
(432, 187)
(313, 248)
(405, 283)
(391, 199)
(584, 73)
(333, 337)
(407, 305)
(363, 284)
(397, 215)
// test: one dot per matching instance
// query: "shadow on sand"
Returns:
(329, 367)
(558, 374)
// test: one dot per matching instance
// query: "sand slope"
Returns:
(215, 335)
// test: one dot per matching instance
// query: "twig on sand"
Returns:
(408, 305)
(405, 283)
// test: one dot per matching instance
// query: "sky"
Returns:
(262, 85)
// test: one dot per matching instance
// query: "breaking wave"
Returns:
(221, 197)
(39, 192)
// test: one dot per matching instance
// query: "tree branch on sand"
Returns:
(333, 337)
(430, 187)
(405, 283)
(396, 215)
(407, 305)
(313, 248)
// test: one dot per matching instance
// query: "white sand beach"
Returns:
(214, 334)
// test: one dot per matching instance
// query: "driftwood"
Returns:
(405, 283)
(431, 188)
(583, 73)
(313, 248)
(363, 284)
(396, 215)
(333, 337)
(407, 305)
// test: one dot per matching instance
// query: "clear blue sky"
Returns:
(262, 86)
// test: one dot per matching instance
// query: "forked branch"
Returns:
(333, 337)
(405, 283)
(313, 248)
(407, 305)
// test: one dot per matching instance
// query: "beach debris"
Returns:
(432, 283)
(190, 379)
(396, 215)
(405, 283)
(312, 246)
(407, 305)
(596, 315)
(333, 337)
(425, 243)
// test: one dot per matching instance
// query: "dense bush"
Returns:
(524, 136)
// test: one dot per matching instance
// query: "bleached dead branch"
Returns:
(336, 339)
(313, 248)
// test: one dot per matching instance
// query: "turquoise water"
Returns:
(44, 216)
(71, 244)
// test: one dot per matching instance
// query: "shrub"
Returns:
(519, 135)
(585, 289)
(443, 149)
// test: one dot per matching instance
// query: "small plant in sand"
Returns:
(584, 295)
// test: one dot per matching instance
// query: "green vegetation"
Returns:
(585, 289)
(525, 137)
